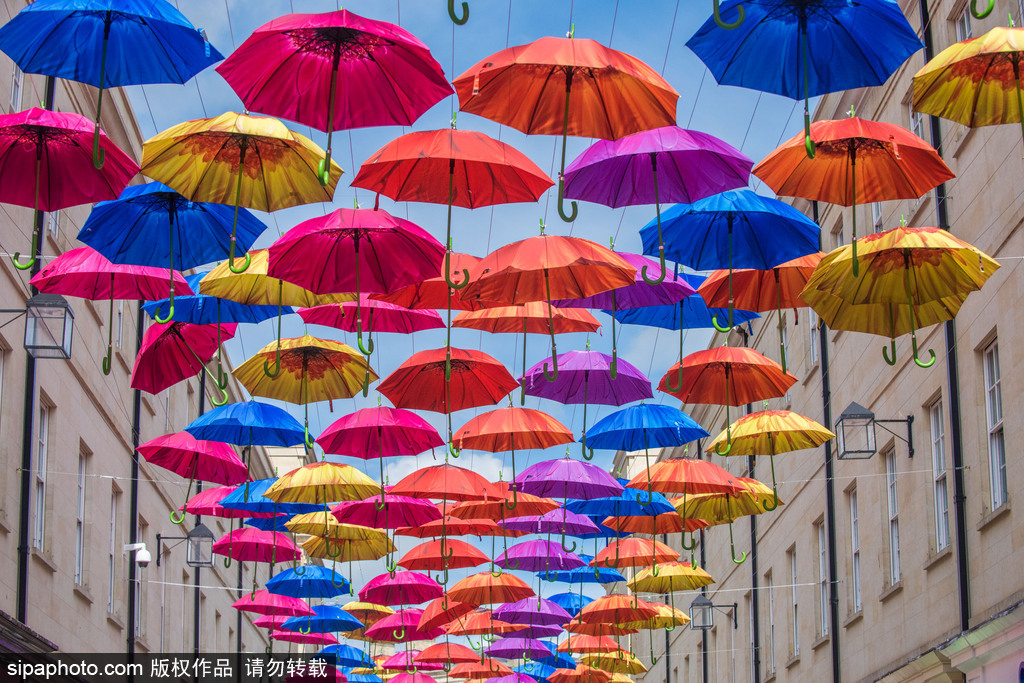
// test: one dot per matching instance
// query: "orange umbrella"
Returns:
(599, 629)
(486, 589)
(427, 556)
(726, 376)
(616, 609)
(433, 293)
(446, 653)
(453, 526)
(589, 644)
(563, 86)
(634, 552)
(442, 612)
(581, 674)
(446, 482)
(762, 290)
(892, 163)
(480, 622)
(665, 523)
(527, 505)
(530, 318)
(481, 670)
(546, 268)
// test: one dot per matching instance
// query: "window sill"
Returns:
(115, 620)
(793, 661)
(820, 641)
(891, 591)
(5, 526)
(769, 677)
(991, 517)
(120, 359)
(935, 558)
(853, 618)
(810, 372)
(83, 593)
(44, 558)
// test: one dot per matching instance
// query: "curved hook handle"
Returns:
(106, 359)
(327, 549)
(774, 501)
(245, 263)
(982, 15)
(891, 360)
(732, 549)
(739, 19)
(654, 569)
(920, 363)
(227, 563)
(17, 256)
(491, 665)
(512, 563)
(305, 631)
(475, 646)
(465, 12)
(568, 549)
(380, 504)
(170, 313)
(661, 251)
(685, 546)
(515, 500)
(570, 217)
(551, 377)
(458, 285)
(679, 380)
(177, 516)
(616, 562)
(728, 442)
(453, 451)
(222, 377)
(438, 578)
(277, 365)
(398, 633)
(723, 330)
(368, 348)
(391, 566)
(497, 574)
(99, 155)
(334, 583)
(323, 169)
(218, 402)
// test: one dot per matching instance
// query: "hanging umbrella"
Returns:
(668, 618)
(150, 224)
(893, 164)
(83, 272)
(186, 456)
(619, 663)
(366, 612)
(446, 653)
(396, 513)
(314, 370)
(516, 648)
(401, 627)
(625, 172)
(248, 499)
(531, 318)
(454, 526)
(654, 524)
(486, 668)
(435, 292)
(173, 352)
(566, 478)
(635, 552)
(241, 160)
(207, 502)
(534, 670)
(537, 556)
(446, 482)
(726, 376)
(480, 622)
(400, 588)
(552, 522)
(247, 544)
(581, 674)
(734, 229)
(563, 86)
(526, 504)
(116, 43)
(726, 508)
(599, 629)
(815, 48)
(616, 609)
(405, 661)
(763, 290)
(486, 589)
(345, 656)
(505, 429)
(335, 71)
(310, 582)
(570, 602)
(265, 602)
(673, 577)
(270, 622)
(380, 316)
(686, 476)
(547, 268)
(321, 483)
(446, 380)
(272, 523)
(442, 612)
(582, 644)
(328, 619)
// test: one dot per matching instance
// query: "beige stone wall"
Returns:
(897, 622)
(92, 414)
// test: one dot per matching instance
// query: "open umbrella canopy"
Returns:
(480, 621)
(484, 669)
(401, 627)
(634, 552)
(379, 432)
(514, 647)
(345, 655)
(538, 556)
(253, 287)
(647, 425)
(252, 545)
(567, 478)
(400, 588)
(454, 526)
(395, 513)
(244, 424)
(304, 638)
(556, 521)
(406, 661)
(312, 581)
(174, 351)
(572, 603)
(486, 589)
(321, 483)
(202, 309)
(319, 524)
(186, 456)
(723, 375)
(328, 619)
(583, 644)
(248, 499)
(585, 377)
(526, 504)
(208, 502)
(446, 482)
(532, 612)
(614, 663)
(84, 272)
(441, 612)
(267, 603)
(685, 476)
(667, 617)
(689, 314)
(616, 609)
(446, 653)
(377, 316)
(671, 577)
(434, 292)
(476, 379)
(773, 431)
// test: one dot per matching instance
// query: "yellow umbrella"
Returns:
(975, 82)
(620, 662)
(368, 612)
(321, 483)
(671, 577)
(668, 618)
(313, 524)
(372, 546)
(242, 160)
(909, 266)
(314, 370)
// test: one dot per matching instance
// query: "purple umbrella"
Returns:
(515, 648)
(513, 678)
(557, 521)
(537, 556)
(401, 588)
(669, 163)
(586, 377)
(540, 632)
(532, 612)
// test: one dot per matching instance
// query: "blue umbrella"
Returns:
(345, 655)
(735, 229)
(584, 574)
(249, 497)
(805, 48)
(269, 523)
(107, 43)
(248, 423)
(309, 582)
(148, 224)
(571, 602)
(328, 619)
(691, 313)
(559, 660)
(535, 670)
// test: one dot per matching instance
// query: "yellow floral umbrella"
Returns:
(314, 524)
(368, 612)
(671, 577)
(321, 483)
(908, 266)
(308, 370)
(373, 545)
(668, 618)
(975, 82)
(620, 662)
(241, 160)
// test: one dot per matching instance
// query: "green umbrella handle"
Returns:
(650, 492)
(616, 562)
(570, 217)
(234, 225)
(399, 633)
(728, 428)
(913, 326)
(323, 167)
(277, 364)
(170, 313)
(732, 545)
(891, 360)
(454, 17)
(657, 208)
(986, 12)
(35, 233)
(443, 578)
(448, 271)
(515, 491)
(808, 142)
(552, 376)
(736, 24)
(98, 155)
(679, 374)
(775, 491)
(110, 326)
(334, 572)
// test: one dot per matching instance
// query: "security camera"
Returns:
(142, 556)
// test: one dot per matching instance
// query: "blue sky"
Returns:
(654, 31)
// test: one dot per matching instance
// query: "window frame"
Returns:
(80, 504)
(855, 574)
(39, 472)
(795, 613)
(814, 352)
(940, 478)
(963, 29)
(120, 324)
(999, 486)
(770, 586)
(115, 496)
(877, 219)
(17, 94)
(893, 510)
(823, 587)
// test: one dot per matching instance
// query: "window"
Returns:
(812, 326)
(120, 322)
(837, 235)
(876, 217)
(112, 549)
(938, 435)
(893, 506)
(769, 584)
(823, 588)
(855, 550)
(963, 24)
(916, 120)
(53, 223)
(994, 413)
(140, 594)
(747, 601)
(3, 362)
(80, 519)
(186, 599)
(39, 492)
(796, 620)
(17, 86)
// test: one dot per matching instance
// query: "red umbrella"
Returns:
(441, 612)
(446, 482)
(453, 526)
(427, 556)
(174, 351)
(85, 273)
(435, 292)
(447, 653)
(485, 668)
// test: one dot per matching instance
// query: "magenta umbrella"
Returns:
(46, 163)
(406, 661)
(670, 163)
(174, 351)
(85, 273)
(414, 677)
(304, 638)
(393, 512)
(335, 70)
(401, 588)
(267, 603)
(187, 456)
(254, 545)
(271, 621)
(207, 502)
(379, 316)
(401, 627)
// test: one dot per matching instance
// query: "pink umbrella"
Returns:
(397, 512)
(335, 70)
(186, 456)
(254, 545)
(356, 250)
(267, 603)
(46, 162)
(411, 677)
(207, 502)
(304, 638)
(85, 273)
(406, 661)
(174, 351)
(328, 675)
(271, 621)
(380, 316)
(401, 588)
(401, 627)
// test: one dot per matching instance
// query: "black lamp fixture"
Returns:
(702, 617)
(855, 433)
(49, 326)
(198, 552)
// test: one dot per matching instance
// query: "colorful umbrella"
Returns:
(617, 663)
(207, 502)
(446, 653)
(446, 482)
(328, 619)
(583, 644)
(515, 648)
(625, 172)
(442, 612)
(401, 627)
(570, 602)
(566, 478)
(368, 613)
(531, 88)
(265, 602)
(174, 351)
(726, 508)
(616, 609)
(310, 582)
(486, 589)
(242, 160)
(247, 544)
(486, 668)
(435, 292)
(396, 512)
(345, 655)
(480, 622)
(381, 316)
(537, 556)
(295, 65)
(498, 509)
(400, 588)
(581, 674)
(255, 288)
(406, 661)
(249, 499)
(894, 164)
(815, 49)
(85, 273)
(245, 424)
(635, 552)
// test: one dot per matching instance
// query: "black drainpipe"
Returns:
(668, 654)
(952, 374)
(199, 520)
(29, 413)
(755, 611)
(133, 499)
(830, 496)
